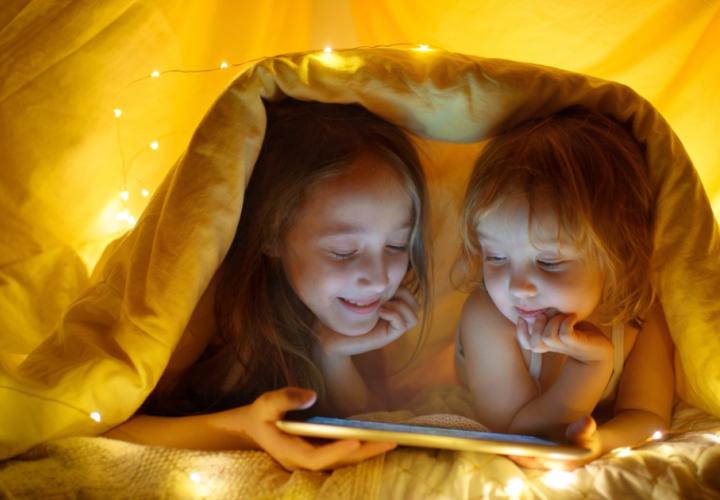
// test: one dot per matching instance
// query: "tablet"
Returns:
(432, 437)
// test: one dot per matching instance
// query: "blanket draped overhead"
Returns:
(113, 342)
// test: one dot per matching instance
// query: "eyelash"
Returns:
(397, 248)
(343, 256)
(348, 255)
(552, 265)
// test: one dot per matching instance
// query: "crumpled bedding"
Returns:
(112, 344)
(685, 465)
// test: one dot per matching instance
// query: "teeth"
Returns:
(359, 304)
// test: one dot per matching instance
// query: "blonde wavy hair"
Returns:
(593, 173)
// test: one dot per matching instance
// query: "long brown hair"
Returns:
(594, 174)
(258, 315)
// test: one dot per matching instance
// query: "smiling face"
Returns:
(530, 268)
(347, 251)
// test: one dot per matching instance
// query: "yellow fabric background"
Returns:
(67, 65)
(66, 157)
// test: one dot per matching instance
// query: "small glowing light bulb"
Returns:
(224, 65)
(657, 435)
(622, 452)
(154, 145)
(124, 195)
(155, 73)
(122, 215)
(117, 112)
(131, 221)
(423, 47)
(558, 479)
(514, 487)
(195, 477)
(327, 50)
(96, 416)
(145, 192)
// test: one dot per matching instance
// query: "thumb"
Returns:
(289, 398)
(581, 431)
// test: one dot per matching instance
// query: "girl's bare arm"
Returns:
(506, 397)
(647, 387)
(582, 378)
(249, 427)
(494, 366)
(348, 390)
(644, 402)
(204, 432)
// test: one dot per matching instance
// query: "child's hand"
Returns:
(559, 334)
(397, 316)
(294, 452)
(582, 433)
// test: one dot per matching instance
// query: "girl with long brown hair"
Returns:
(329, 262)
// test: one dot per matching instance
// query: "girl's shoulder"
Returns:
(479, 304)
(480, 317)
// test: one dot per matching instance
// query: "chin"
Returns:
(356, 330)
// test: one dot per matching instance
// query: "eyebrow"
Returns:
(349, 229)
(539, 241)
(484, 236)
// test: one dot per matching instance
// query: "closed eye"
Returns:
(551, 265)
(343, 255)
(397, 248)
(495, 259)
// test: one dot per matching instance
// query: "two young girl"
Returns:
(557, 225)
(329, 263)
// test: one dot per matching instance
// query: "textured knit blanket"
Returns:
(685, 465)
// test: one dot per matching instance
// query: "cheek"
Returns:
(562, 286)
(496, 285)
(494, 278)
(397, 269)
(330, 278)
(311, 278)
(581, 293)
(594, 290)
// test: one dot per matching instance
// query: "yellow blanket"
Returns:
(114, 341)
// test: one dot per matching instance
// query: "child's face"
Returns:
(347, 252)
(534, 270)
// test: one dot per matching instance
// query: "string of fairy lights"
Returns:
(124, 213)
(201, 484)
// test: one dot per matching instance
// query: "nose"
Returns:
(521, 284)
(373, 275)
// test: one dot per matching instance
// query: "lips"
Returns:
(364, 306)
(530, 313)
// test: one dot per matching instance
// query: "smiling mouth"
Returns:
(530, 313)
(360, 306)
